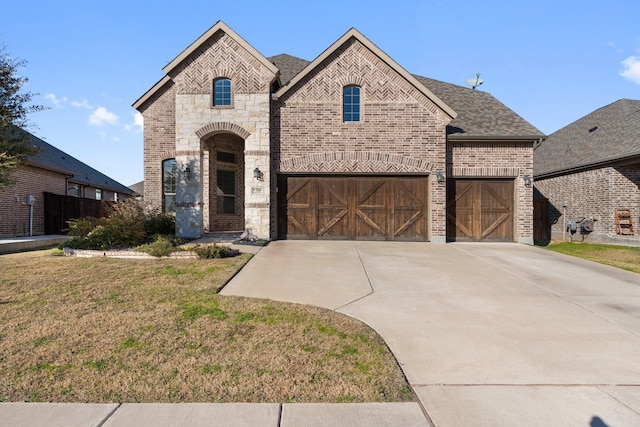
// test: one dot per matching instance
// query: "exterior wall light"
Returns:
(187, 172)
(527, 181)
(257, 174)
(439, 177)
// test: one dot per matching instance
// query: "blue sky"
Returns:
(552, 62)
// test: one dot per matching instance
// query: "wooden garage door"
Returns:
(480, 210)
(348, 207)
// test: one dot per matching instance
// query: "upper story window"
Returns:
(169, 185)
(221, 92)
(98, 194)
(351, 104)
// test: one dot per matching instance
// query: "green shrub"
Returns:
(75, 242)
(83, 226)
(127, 224)
(212, 251)
(161, 246)
(157, 222)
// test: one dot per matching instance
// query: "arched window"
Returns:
(221, 92)
(351, 104)
(169, 186)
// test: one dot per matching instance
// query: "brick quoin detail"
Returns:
(222, 127)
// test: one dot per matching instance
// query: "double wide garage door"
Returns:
(353, 207)
(480, 210)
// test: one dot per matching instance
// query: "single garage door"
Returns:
(480, 210)
(353, 207)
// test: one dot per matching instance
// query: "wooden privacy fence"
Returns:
(59, 210)
(541, 225)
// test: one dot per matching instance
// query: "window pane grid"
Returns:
(351, 104)
(222, 92)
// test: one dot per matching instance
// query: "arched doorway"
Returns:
(223, 179)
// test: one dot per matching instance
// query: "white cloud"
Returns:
(54, 99)
(137, 124)
(102, 116)
(82, 104)
(631, 69)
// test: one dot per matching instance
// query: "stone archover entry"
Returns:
(217, 127)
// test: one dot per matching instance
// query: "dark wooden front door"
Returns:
(350, 207)
(480, 210)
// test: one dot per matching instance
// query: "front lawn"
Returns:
(125, 330)
(625, 257)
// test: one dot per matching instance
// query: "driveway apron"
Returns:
(487, 334)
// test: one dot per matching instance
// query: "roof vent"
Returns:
(593, 129)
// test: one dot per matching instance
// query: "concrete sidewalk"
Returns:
(17, 244)
(210, 414)
(487, 334)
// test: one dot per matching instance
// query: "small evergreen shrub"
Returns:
(212, 251)
(161, 246)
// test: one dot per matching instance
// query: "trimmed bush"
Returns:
(212, 251)
(161, 246)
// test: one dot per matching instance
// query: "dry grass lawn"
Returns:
(118, 330)
(625, 257)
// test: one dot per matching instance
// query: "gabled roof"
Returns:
(353, 33)
(218, 26)
(607, 135)
(480, 115)
(56, 160)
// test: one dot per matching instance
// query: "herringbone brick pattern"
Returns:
(354, 63)
(212, 59)
(354, 161)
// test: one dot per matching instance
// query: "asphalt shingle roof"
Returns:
(606, 135)
(479, 113)
(51, 157)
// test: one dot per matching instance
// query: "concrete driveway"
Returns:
(487, 334)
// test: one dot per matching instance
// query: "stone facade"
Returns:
(509, 160)
(593, 194)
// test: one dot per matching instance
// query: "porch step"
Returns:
(224, 236)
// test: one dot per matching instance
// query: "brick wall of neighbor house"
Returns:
(594, 194)
(14, 213)
(159, 140)
(498, 160)
(401, 130)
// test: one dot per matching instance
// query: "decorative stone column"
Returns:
(189, 202)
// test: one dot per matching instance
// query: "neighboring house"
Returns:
(347, 146)
(51, 174)
(138, 189)
(591, 168)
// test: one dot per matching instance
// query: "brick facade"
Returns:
(400, 131)
(594, 193)
(159, 140)
(510, 160)
(14, 212)
(299, 129)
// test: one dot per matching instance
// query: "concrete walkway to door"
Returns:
(487, 334)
